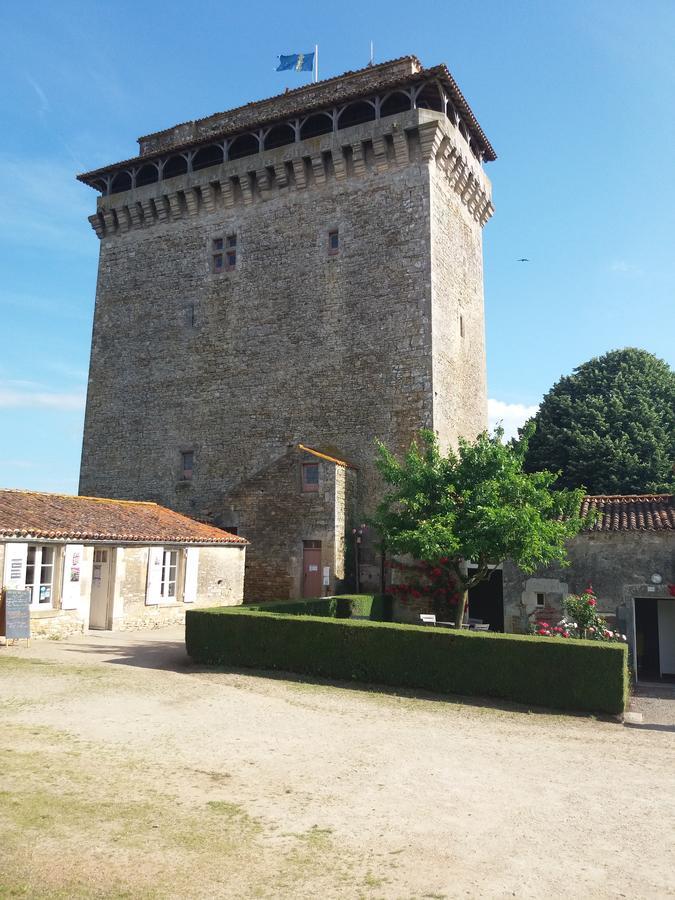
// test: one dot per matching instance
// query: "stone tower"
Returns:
(279, 286)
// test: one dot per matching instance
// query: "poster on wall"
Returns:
(75, 567)
(74, 577)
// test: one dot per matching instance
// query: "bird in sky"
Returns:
(523, 259)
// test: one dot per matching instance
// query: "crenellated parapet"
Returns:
(419, 137)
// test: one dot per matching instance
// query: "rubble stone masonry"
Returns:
(294, 345)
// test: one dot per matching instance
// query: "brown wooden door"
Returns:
(311, 569)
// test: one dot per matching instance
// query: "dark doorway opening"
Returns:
(647, 639)
(486, 600)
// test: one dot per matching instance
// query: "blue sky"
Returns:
(576, 98)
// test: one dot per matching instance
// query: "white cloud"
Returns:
(511, 416)
(623, 267)
(15, 397)
(42, 97)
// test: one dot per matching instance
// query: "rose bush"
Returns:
(581, 620)
(430, 582)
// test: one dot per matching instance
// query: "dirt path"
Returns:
(129, 772)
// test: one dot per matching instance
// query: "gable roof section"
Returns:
(40, 516)
(631, 512)
(320, 455)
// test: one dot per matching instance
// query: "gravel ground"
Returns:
(130, 772)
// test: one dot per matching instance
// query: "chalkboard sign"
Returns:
(16, 614)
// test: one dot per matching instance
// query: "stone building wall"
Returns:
(619, 566)
(276, 516)
(458, 322)
(220, 580)
(220, 576)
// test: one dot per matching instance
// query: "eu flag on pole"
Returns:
(297, 62)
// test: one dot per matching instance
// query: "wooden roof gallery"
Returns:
(326, 106)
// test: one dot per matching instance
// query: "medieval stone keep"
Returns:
(302, 275)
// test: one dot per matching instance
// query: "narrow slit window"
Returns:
(540, 599)
(333, 242)
(461, 326)
(187, 465)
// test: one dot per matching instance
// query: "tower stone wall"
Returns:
(296, 344)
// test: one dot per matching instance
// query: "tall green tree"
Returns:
(609, 426)
(475, 505)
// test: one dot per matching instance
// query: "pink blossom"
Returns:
(592, 601)
(565, 634)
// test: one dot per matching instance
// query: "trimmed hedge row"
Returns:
(569, 674)
(345, 606)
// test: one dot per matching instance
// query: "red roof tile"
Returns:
(631, 512)
(35, 515)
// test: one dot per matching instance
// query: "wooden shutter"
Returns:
(72, 575)
(191, 567)
(15, 565)
(154, 585)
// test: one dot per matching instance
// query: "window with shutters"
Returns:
(40, 570)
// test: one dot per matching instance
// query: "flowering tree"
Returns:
(433, 582)
(581, 620)
(477, 504)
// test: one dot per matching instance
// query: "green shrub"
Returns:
(345, 606)
(577, 675)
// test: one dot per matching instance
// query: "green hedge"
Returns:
(345, 606)
(562, 674)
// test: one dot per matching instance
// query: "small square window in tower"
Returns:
(310, 477)
(333, 242)
(187, 465)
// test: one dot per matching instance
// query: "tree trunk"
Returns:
(463, 593)
(461, 607)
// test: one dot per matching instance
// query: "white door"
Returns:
(666, 613)
(100, 588)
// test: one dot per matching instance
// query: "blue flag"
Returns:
(298, 62)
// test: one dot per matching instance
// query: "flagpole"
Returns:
(316, 62)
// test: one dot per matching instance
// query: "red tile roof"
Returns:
(35, 515)
(631, 512)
